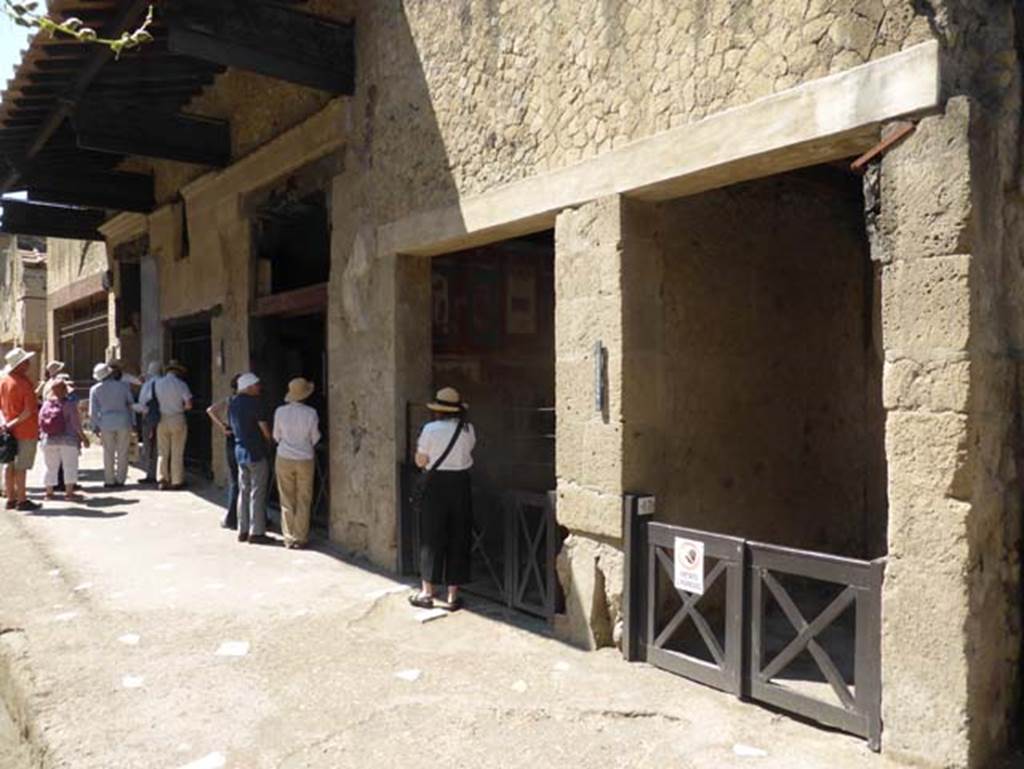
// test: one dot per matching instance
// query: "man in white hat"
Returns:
(251, 428)
(174, 398)
(111, 412)
(296, 431)
(19, 408)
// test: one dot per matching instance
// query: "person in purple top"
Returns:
(61, 437)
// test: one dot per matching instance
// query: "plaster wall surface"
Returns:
(23, 309)
(772, 423)
(68, 261)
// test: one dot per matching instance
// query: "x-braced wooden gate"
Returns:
(515, 538)
(772, 624)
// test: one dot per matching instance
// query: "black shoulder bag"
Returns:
(419, 489)
(8, 447)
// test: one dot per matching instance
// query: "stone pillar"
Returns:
(379, 354)
(607, 291)
(950, 638)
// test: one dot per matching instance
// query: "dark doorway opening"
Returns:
(191, 344)
(494, 341)
(285, 347)
(288, 332)
(293, 244)
(82, 337)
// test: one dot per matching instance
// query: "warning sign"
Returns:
(689, 562)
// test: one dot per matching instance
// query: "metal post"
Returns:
(637, 511)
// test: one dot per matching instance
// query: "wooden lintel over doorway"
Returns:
(302, 301)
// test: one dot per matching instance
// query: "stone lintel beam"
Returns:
(821, 121)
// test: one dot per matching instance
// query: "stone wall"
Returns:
(948, 231)
(68, 261)
(470, 94)
(772, 423)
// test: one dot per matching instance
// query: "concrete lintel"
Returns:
(77, 291)
(817, 122)
(124, 227)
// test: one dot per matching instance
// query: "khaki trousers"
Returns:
(171, 434)
(295, 489)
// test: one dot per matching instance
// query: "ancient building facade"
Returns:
(23, 311)
(657, 197)
(79, 320)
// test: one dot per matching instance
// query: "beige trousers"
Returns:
(295, 489)
(171, 434)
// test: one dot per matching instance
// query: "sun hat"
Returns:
(63, 379)
(101, 371)
(448, 401)
(174, 365)
(299, 389)
(54, 367)
(15, 358)
(247, 380)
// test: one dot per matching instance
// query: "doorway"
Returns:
(285, 347)
(494, 341)
(191, 344)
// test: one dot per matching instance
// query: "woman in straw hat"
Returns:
(62, 437)
(296, 431)
(445, 452)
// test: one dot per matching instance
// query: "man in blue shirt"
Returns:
(110, 411)
(250, 425)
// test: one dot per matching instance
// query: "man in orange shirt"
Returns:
(19, 409)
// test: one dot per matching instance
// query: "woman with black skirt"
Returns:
(446, 520)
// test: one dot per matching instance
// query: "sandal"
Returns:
(421, 601)
(452, 605)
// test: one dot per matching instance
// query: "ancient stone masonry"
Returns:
(792, 353)
(949, 237)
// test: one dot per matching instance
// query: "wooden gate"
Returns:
(795, 629)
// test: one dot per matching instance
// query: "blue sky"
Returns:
(12, 40)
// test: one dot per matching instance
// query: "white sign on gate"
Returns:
(689, 562)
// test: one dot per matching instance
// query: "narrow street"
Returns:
(121, 619)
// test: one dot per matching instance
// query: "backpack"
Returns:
(152, 416)
(51, 418)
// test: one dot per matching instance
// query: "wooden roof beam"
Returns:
(183, 138)
(129, 15)
(21, 218)
(266, 38)
(117, 191)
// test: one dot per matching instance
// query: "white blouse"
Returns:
(435, 438)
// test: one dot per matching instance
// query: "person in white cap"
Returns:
(174, 398)
(20, 410)
(251, 428)
(111, 412)
(296, 431)
(150, 419)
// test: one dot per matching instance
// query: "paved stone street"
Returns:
(113, 612)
